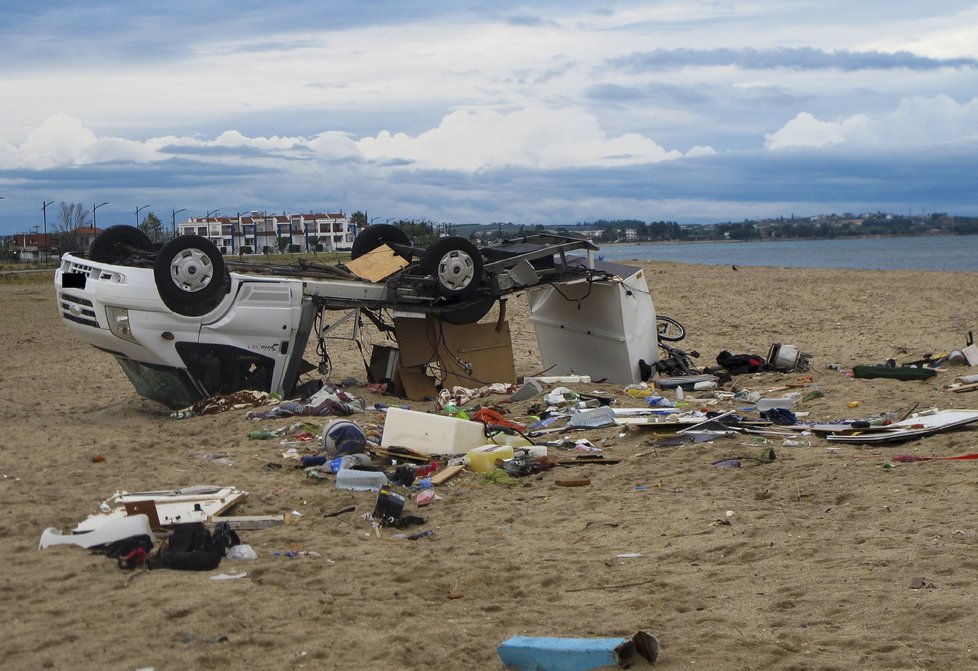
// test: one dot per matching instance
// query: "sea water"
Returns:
(937, 252)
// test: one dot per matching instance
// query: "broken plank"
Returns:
(446, 474)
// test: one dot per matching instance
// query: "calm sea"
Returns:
(942, 252)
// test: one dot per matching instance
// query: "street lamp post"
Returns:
(95, 207)
(173, 219)
(138, 210)
(207, 220)
(44, 218)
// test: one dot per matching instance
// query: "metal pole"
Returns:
(44, 217)
(141, 207)
(95, 207)
(173, 220)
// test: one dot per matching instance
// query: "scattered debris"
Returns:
(918, 582)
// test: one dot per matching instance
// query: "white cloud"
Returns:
(916, 122)
(807, 131)
(534, 137)
(62, 140)
(945, 35)
(700, 150)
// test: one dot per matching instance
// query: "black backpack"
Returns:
(192, 547)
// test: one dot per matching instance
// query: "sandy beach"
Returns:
(833, 556)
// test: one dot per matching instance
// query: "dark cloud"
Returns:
(800, 58)
(720, 187)
(531, 21)
(652, 91)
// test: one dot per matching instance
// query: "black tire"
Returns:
(456, 265)
(116, 244)
(470, 314)
(669, 329)
(374, 236)
(191, 275)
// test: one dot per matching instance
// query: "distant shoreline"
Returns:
(941, 234)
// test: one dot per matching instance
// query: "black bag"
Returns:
(128, 552)
(738, 364)
(192, 547)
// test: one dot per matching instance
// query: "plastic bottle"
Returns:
(424, 470)
(348, 461)
(483, 459)
(531, 451)
(360, 481)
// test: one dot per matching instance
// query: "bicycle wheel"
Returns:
(669, 329)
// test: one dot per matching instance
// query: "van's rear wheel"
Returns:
(469, 314)
(117, 243)
(191, 275)
(374, 236)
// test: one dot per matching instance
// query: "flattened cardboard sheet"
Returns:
(377, 264)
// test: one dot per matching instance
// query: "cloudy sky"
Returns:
(477, 111)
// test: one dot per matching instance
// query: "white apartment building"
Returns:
(329, 231)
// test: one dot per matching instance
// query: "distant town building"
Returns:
(32, 246)
(328, 231)
(35, 246)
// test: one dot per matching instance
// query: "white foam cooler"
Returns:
(431, 434)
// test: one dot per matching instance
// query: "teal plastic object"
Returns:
(529, 653)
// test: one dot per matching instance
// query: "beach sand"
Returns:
(813, 571)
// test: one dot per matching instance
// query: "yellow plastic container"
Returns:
(483, 459)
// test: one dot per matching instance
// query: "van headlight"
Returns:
(119, 323)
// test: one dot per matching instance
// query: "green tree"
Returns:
(152, 226)
(420, 231)
(312, 241)
(282, 244)
(358, 218)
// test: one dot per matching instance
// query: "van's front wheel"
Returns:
(456, 265)
(191, 275)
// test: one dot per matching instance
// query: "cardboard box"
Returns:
(467, 355)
